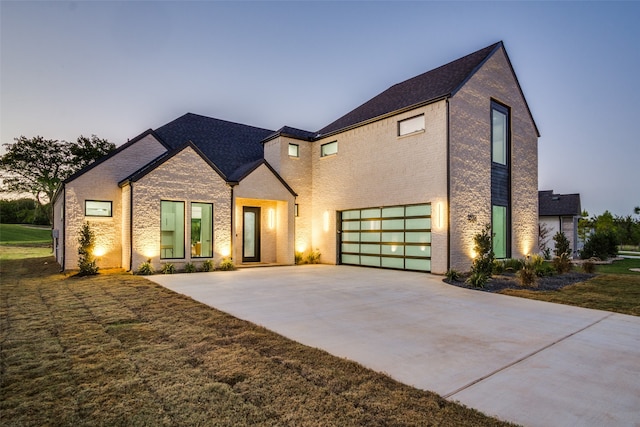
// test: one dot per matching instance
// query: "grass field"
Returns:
(17, 234)
(116, 349)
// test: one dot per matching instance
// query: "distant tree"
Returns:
(636, 210)
(38, 165)
(585, 226)
(605, 222)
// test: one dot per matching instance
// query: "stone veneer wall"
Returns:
(186, 177)
(101, 183)
(470, 160)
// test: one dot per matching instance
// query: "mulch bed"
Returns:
(508, 281)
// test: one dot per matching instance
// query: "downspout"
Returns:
(448, 188)
(64, 226)
(130, 225)
(233, 214)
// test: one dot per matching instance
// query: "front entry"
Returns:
(250, 234)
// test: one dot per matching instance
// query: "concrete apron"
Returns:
(530, 362)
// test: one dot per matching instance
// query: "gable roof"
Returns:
(294, 133)
(246, 170)
(550, 204)
(226, 144)
(438, 83)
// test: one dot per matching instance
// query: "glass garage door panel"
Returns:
(397, 237)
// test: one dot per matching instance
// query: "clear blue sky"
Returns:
(115, 69)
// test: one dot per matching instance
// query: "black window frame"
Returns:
(297, 155)
(212, 228)
(415, 131)
(99, 201)
(322, 154)
(184, 233)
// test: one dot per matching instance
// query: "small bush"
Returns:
(527, 275)
(589, 267)
(168, 268)
(299, 258)
(483, 247)
(478, 279)
(313, 257)
(601, 245)
(452, 275)
(227, 265)
(145, 268)
(562, 264)
(189, 268)
(207, 265)
(498, 267)
(86, 243)
(512, 265)
(546, 253)
(563, 246)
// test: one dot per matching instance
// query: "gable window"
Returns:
(97, 208)
(411, 125)
(171, 229)
(294, 150)
(329, 149)
(201, 230)
(499, 133)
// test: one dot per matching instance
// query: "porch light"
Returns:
(326, 221)
(225, 251)
(302, 247)
(272, 219)
(440, 222)
(99, 251)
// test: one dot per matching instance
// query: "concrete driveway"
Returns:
(530, 362)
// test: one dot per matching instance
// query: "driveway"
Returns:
(530, 362)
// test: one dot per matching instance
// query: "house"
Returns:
(403, 181)
(560, 212)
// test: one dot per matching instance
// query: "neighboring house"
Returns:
(403, 181)
(560, 212)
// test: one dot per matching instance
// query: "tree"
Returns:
(636, 210)
(562, 244)
(38, 166)
(86, 244)
(585, 226)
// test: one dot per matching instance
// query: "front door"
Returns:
(250, 234)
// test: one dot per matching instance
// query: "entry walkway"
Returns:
(530, 362)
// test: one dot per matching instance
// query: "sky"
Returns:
(118, 68)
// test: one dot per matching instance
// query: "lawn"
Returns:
(116, 349)
(17, 234)
(615, 288)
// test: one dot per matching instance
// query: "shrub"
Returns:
(562, 264)
(313, 257)
(298, 258)
(527, 275)
(145, 268)
(189, 268)
(563, 246)
(498, 267)
(589, 267)
(168, 268)
(483, 247)
(207, 265)
(512, 264)
(452, 275)
(86, 244)
(478, 279)
(227, 265)
(601, 244)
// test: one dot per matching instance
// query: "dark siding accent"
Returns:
(500, 178)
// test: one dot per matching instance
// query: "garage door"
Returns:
(396, 237)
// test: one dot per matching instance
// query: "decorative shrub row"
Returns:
(146, 268)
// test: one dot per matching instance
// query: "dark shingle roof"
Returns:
(550, 204)
(438, 83)
(227, 145)
(290, 132)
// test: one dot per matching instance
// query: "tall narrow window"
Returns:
(499, 222)
(201, 230)
(171, 229)
(329, 149)
(294, 150)
(499, 134)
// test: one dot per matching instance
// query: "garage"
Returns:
(397, 237)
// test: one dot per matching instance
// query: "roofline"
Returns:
(286, 135)
(159, 161)
(383, 116)
(277, 175)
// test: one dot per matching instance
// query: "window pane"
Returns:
(351, 259)
(249, 234)
(373, 261)
(171, 229)
(371, 225)
(329, 149)
(499, 136)
(411, 125)
(393, 212)
(201, 230)
(393, 224)
(371, 213)
(351, 225)
(393, 250)
(499, 224)
(417, 264)
(97, 208)
(392, 262)
(350, 237)
(350, 247)
(418, 237)
(419, 210)
(393, 237)
(423, 251)
(419, 224)
(351, 215)
(370, 249)
(294, 150)
(370, 237)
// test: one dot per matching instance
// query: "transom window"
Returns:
(411, 125)
(97, 208)
(294, 150)
(329, 149)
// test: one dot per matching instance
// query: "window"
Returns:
(171, 229)
(329, 149)
(201, 230)
(499, 227)
(412, 125)
(97, 208)
(294, 150)
(499, 133)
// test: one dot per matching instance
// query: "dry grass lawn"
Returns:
(116, 349)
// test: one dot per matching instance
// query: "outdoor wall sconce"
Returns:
(326, 221)
(272, 219)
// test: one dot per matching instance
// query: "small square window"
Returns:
(329, 149)
(411, 125)
(97, 208)
(294, 150)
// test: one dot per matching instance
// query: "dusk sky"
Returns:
(116, 69)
